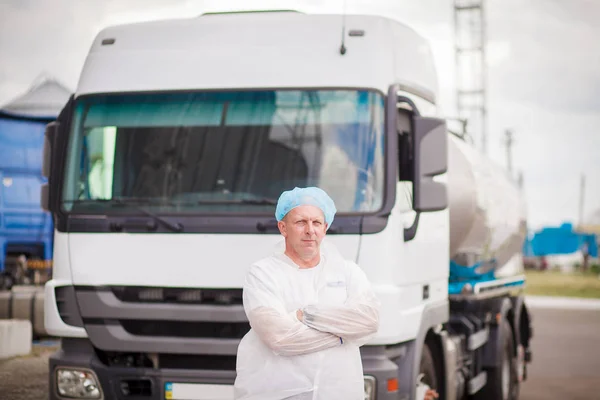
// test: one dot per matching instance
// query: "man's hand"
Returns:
(431, 394)
(299, 315)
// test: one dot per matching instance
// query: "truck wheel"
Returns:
(427, 368)
(503, 382)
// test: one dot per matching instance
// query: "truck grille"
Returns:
(165, 360)
(136, 387)
(132, 294)
(203, 322)
(203, 362)
(185, 329)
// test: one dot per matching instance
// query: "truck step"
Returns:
(492, 288)
(479, 338)
(477, 383)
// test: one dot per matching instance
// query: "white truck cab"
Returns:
(164, 169)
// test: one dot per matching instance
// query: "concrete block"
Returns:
(15, 338)
(5, 303)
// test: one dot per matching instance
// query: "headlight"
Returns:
(369, 388)
(77, 383)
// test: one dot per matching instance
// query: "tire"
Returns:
(6, 281)
(503, 382)
(427, 368)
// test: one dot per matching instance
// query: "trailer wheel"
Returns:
(503, 382)
(427, 372)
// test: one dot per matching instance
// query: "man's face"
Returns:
(304, 228)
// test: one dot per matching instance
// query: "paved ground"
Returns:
(26, 378)
(566, 363)
(566, 355)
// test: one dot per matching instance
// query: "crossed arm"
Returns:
(286, 336)
(322, 327)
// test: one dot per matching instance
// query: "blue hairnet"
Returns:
(310, 196)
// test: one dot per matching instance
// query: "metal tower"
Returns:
(470, 39)
(508, 142)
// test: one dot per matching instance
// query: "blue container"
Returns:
(24, 227)
(560, 240)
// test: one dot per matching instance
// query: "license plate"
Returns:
(197, 391)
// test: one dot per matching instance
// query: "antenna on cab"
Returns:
(343, 46)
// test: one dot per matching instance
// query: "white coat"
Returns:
(318, 358)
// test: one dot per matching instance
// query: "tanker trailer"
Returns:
(489, 326)
(487, 220)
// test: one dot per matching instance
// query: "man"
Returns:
(309, 309)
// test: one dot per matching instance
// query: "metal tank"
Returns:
(25, 303)
(487, 213)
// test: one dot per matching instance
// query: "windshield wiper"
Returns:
(261, 201)
(176, 227)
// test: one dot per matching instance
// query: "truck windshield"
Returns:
(225, 151)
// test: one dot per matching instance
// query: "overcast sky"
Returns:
(543, 74)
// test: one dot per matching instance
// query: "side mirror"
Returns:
(55, 143)
(49, 136)
(45, 197)
(430, 151)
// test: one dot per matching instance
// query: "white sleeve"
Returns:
(279, 330)
(357, 320)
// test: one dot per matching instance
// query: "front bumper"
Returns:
(136, 383)
(126, 383)
(377, 363)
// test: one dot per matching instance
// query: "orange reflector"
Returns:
(392, 385)
(498, 318)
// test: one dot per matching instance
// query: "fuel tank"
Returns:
(487, 212)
